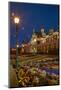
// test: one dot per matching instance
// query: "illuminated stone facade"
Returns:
(41, 43)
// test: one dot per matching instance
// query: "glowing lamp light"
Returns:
(34, 40)
(17, 45)
(16, 20)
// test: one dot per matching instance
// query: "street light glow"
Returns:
(16, 20)
(35, 40)
(17, 45)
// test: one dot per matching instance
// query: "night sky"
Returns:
(35, 16)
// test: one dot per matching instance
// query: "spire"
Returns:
(33, 30)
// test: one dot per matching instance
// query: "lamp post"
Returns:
(16, 21)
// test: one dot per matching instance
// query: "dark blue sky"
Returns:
(32, 16)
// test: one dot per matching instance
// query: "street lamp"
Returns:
(16, 21)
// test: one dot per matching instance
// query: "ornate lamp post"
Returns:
(16, 21)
